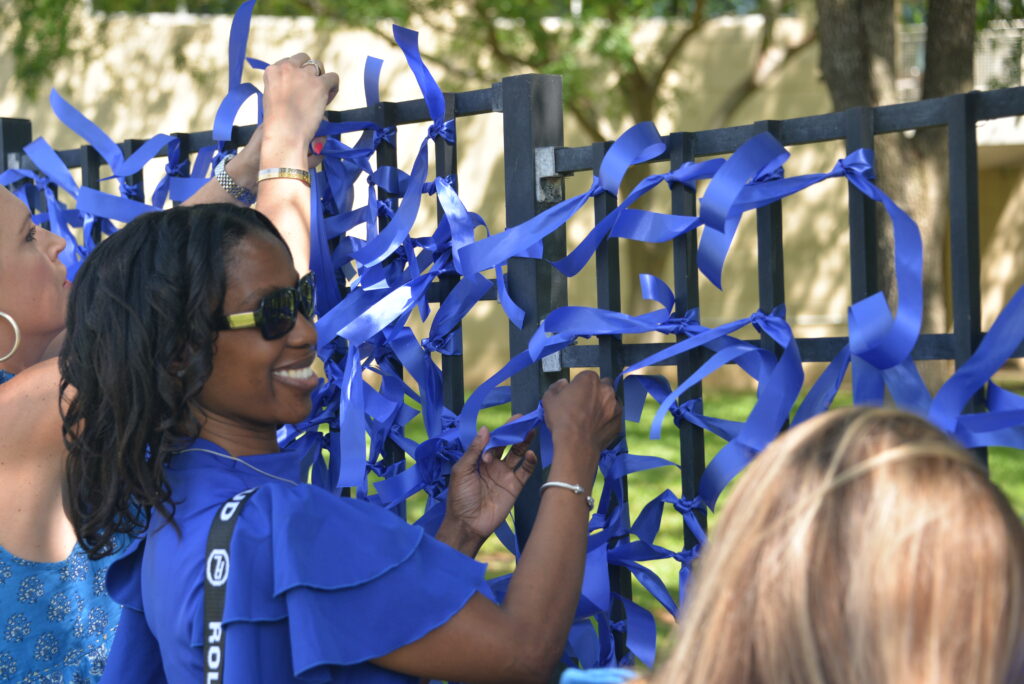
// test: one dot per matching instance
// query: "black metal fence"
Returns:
(535, 163)
(857, 128)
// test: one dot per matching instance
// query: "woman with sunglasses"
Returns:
(181, 385)
(56, 620)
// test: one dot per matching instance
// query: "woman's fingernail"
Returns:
(482, 431)
(318, 146)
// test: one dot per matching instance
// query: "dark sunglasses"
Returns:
(276, 313)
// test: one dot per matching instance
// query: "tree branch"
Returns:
(495, 44)
(586, 119)
(762, 71)
(696, 23)
(634, 74)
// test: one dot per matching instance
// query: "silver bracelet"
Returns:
(574, 488)
(228, 184)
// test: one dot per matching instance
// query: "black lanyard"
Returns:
(217, 569)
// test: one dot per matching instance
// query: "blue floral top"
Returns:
(56, 619)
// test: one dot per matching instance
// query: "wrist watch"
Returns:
(228, 184)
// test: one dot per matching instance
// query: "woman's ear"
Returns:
(177, 367)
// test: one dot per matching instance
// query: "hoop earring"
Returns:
(17, 335)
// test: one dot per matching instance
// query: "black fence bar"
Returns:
(446, 164)
(483, 101)
(771, 285)
(532, 108)
(994, 104)
(687, 290)
(387, 155)
(863, 217)
(963, 227)
(965, 253)
(185, 150)
(92, 163)
(609, 297)
(860, 134)
(14, 135)
(930, 347)
(138, 187)
(924, 114)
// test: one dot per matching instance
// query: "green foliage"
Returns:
(985, 11)
(991, 10)
(43, 35)
(588, 42)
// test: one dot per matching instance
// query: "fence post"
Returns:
(609, 354)
(532, 118)
(860, 133)
(446, 164)
(771, 282)
(137, 188)
(387, 155)
(963, 226)
(14, 135)
(963, 235)
(687, 289)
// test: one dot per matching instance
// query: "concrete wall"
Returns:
(144, 74)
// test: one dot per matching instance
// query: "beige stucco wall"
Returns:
(155, 73)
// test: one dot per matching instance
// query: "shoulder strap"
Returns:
(218, 566)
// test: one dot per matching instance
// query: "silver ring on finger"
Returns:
(316, 64)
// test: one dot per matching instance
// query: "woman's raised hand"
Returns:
(296, 92)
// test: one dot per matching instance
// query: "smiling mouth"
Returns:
(297, 374)
(303, 378)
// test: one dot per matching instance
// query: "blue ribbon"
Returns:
(639, 144)
(998, 345)
(120, 167)
(238, 92)
(646, 226)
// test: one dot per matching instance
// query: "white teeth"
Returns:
(299, 374)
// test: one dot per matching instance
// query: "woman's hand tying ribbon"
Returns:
(482, 490)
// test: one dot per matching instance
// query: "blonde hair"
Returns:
(860, 546)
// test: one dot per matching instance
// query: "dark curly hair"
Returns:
(142, 322)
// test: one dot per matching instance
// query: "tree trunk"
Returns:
(858, 63)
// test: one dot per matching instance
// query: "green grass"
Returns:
(1006, 468)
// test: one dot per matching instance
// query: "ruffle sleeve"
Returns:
(124, 576)
(135, 654)
(343, 580)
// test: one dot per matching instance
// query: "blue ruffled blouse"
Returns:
(319, 584)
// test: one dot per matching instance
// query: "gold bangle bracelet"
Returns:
(283, 172)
